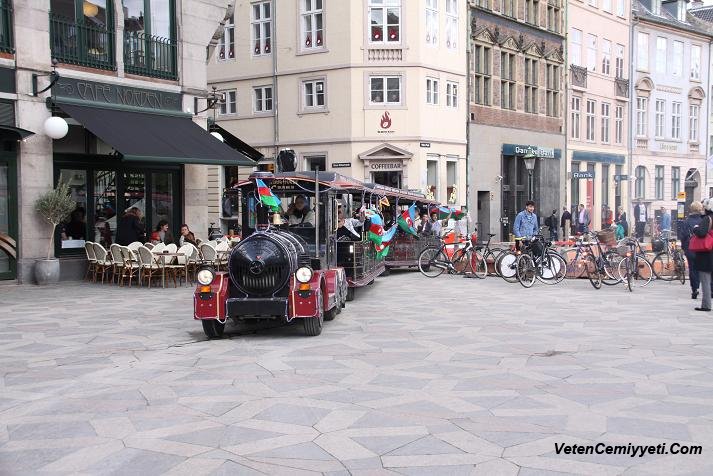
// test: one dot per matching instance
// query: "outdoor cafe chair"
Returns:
(208, 254)
(171, 248)
(103, 264)
(158, 247)
(213, 243)
(149, 245)
(91, 258)
(135, 245)
(131, 266)
(150, 268)
(193, 258)
(222, 249)
(179, 269)
(118, 260)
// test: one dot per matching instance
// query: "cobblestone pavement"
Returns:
(417, 376)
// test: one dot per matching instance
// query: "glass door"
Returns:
(163, 200)
(8, 218)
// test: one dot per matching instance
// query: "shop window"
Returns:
(432, 179)
(104, 207)
(452, 179)
(73, 230)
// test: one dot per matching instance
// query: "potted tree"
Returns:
(53, 206)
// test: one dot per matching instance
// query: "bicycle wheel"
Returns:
(643, 272)
(494, 255)
(526, 271)
(575, 268)
(610, 264)
(478, 264)
(625, 269)
(664, 267)
(461, 262)
(432, 262)
(553, 268)
(593, 272)
(507, 266)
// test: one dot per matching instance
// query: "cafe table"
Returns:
(163, 255)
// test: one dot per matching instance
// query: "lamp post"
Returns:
(529, 160)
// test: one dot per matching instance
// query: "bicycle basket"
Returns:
(622, 250)
(657, 246)
(607, 237)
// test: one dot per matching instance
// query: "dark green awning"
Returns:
(14, 132)
(143, 136)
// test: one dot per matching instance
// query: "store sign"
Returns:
(681, 196)
(116, 94)
(338, 165)
(385, 123)
(425, 145)
(621, 178)
(583, 175)
(540, 152)
(387, 166)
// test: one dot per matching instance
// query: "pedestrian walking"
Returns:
(565, 222)
(583, 219)
(551, 223)
(703, 261)
(621, 220)
(685, 230)
(640, 217)
(665, 223)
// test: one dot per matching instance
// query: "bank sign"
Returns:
(520, 150)
(116, 94)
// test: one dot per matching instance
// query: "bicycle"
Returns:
(634, 266)
(546, 265)
(486, 252)
(588, 255)
(670, 264)
(432, 261)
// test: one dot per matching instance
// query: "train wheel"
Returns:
(212, 328)
(350, 294)
(313, 325)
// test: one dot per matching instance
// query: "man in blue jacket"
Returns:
(526, 225)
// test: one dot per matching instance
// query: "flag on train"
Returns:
(376, 228)
(266, 196)
(443, 213)
(407, 219)
(383, 249)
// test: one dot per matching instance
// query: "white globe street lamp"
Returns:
(217, 136)
(56, 127)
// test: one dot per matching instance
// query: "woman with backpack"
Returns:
(702, 244)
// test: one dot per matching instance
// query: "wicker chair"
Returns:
(150, 268)
(118, 260)
(149, 245)
(179, 268)
(91, 258)
(135, 245)
(158, 247)
(131, 266)
(222, 249)
(104, 262)
(208, 254)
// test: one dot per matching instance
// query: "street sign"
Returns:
(337, 165)
(426, 145)
(619, 178)
(681, 196)
(583, 175)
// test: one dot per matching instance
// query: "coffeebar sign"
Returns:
(387, 166)
(116, 94)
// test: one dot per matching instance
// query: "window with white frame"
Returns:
(432, 91)
(451, 94)
(312, 24)
(695, 62)
(553, 90)
(693, 111)
(590, 120)
(229, 103)
(675, 182)
(606, 121)
(385, 90)
(640, 188)
(575, 50)
(263, 98)
(642, 51)
(606, 56)
(452, 24)
(226, 45)
(508, 8)
(482, 71)
(384, 21)
(658, 182)
(432, 22)
(619, 125)
(621, 7)
(262, 28)
(642, 105)
(660, 118)
(677, 59)
(591, 52)
(676, 120)
(576, 117)
(661, 47)
(619, 61)
(313, 94)
(532, 12)
(606, 5)
(531, 72)
(508, 94)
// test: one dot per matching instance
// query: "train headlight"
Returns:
(304, 274)
(205, 276)
(351, 249)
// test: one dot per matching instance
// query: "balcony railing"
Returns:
(75, 42)
(579, 76)
(149, 55)
(6, 41)
(385, 54)
(622, 87)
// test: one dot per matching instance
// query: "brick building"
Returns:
(517, 94)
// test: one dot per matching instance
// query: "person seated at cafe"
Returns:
(164, 233)
(76, 229)
(347, 227)
(130, 227)
(299, 214)
(187, 236)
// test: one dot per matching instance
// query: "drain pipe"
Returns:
(632, 126)
(275, 107)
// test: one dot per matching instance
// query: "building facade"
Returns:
(517, 104)
(124, 76)
(373, 89)
(670, 106)
(598, 117)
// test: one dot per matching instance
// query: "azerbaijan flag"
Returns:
(266, 196)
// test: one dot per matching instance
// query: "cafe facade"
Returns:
(128, 96)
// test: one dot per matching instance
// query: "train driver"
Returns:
(299, 214)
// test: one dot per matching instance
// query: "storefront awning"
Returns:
(233, 142)
(12, 132)
(151, 137)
